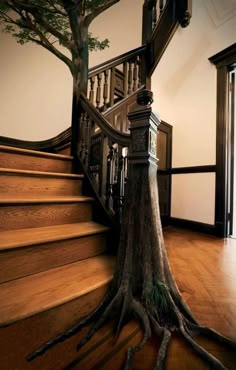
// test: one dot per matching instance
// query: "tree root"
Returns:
(61, 337)
(127, 305)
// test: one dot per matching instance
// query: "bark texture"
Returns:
(143, 286)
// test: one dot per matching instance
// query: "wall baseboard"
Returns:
(193, 225)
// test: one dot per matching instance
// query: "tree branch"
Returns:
(46, 43)
(41, 21)
(100, 9)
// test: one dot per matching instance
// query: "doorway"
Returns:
(225, 63)
(232, 154)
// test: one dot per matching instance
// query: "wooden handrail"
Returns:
(161, 18)
(116, 61)
(102, 152)
(113, 134)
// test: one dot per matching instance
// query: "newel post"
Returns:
(143, 127)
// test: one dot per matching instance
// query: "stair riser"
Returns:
(38, 215)
(37, 258)
(21, 338)
(38, 186)
(27, 161)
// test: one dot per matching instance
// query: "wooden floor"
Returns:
(205, 270)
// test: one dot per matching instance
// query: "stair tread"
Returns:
(40, 173)
(45, 199)
(26, 237)
(33, 294)
(34, 152)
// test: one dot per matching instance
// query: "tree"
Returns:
(143, 284)
(51, 23)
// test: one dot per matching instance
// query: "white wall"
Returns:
(184, 86)
(36, 87)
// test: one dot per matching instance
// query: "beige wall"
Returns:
(35, 87)
(184, 86)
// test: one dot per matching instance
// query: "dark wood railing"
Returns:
(116, 79)
(160, 21)
(102, 151)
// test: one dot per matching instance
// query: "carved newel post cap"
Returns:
(145, 97)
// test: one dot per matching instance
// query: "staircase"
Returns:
(54, 266)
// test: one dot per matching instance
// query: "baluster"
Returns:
(130, 78)
(103, 166)
(105, 90)
(82, 137)
(139, 71)
(112, 86)
(120, 184)
(154, 15)
(98, 95)
(91, 93)
(135, 75)
(110, 177)
(161, 6)
(87, 134)
(125, 71)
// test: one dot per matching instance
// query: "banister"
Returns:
(112, 133)
(116, 61)
(161, 18)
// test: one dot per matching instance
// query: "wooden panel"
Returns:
(30, 160)
(31, 185)
(21, 262)
(13, 217)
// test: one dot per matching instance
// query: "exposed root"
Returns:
(125, 308)
(212, 334)
(61, 337)
(110, 309)
(148, 317)
(161, 357)
(212, 361)
(141, 314)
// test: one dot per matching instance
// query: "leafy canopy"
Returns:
(49, 23)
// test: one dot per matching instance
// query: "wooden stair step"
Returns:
(44, 199)
(11, 157)
(40, 235)
(29, 251)
(33, 294)
(22, 213)
(31, 183)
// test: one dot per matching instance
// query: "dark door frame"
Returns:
(223, 61)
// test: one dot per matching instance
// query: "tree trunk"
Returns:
(80, 82)
(143, 285)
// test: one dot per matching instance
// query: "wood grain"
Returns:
(24, 159)
(40, 235)
(36, 184)
(28, 296)
(32, 260)
(19, 215)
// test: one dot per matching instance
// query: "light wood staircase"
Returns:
(54, 266)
